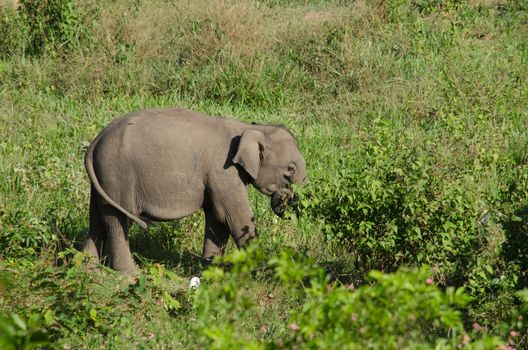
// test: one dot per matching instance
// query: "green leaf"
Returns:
(34, 321)
(169, 302)
(49, 317)
(19, 322)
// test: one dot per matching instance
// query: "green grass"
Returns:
(411, 116)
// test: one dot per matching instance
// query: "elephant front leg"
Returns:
(216, 236)
(244, 231)
(233, 210)
(239, 220)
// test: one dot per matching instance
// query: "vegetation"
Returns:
(411, 116)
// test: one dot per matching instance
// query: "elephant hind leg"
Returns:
(97, 233)
(117, 225)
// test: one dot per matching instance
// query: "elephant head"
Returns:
(270, 156)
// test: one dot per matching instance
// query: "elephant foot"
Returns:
(125, 266)
(90, 262)
(128, 271)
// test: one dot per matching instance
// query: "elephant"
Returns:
(164, 164)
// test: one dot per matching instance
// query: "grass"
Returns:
(411, 116)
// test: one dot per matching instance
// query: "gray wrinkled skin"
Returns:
(165, 164)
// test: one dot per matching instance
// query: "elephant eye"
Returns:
(291, 168)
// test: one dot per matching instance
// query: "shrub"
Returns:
(403, 310)
(13, 32)
(392, 204)
(39, 26)
(393, 311)
(55, 303)
(52, 24)
(407, 196)
(18, 333)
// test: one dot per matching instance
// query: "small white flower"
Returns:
(195, 283)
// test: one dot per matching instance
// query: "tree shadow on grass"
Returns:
(341, 271)
(169, 244)
(515, 247)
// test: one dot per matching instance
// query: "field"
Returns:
(411, 115)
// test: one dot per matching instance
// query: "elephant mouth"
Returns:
(283, 199)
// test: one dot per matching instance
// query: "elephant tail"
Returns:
(88, 164)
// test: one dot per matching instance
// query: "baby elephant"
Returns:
(164, 164)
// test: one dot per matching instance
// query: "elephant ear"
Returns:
(250, 151)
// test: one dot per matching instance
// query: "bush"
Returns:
(392, 204)
(55, 303)
(36, 27)
(13, 32)
(404, 310)
(406, 198)
(17, 333)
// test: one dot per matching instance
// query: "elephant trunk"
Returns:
(282, 199)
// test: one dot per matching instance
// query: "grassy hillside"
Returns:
(412, 116)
